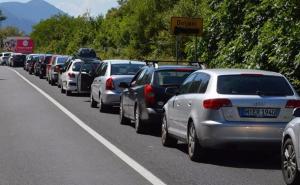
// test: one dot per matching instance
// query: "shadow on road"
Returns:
(239, 158)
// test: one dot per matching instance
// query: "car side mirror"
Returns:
(123, 85)
(296, 112)
(171, 91)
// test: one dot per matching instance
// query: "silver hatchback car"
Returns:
(105, 89)
(290, 153)
(220, 107)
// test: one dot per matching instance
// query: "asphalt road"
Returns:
(39, 144)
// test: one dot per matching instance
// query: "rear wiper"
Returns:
(261, 93)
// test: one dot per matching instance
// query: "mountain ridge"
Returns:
(25, 15)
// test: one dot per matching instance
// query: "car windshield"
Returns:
(125, 69)
(253, 85)
(171, 77)
(61, 60)
(6, 54)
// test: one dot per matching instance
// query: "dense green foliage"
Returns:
(9, 32)
(262, 34)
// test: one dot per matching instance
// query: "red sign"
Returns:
(25, 46)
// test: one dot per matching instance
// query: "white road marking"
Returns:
(128, 160)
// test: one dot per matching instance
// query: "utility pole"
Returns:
(196, 39)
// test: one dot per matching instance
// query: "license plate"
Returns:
(259, 112)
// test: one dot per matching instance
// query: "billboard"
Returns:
(18, 45)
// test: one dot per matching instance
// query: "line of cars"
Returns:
(206, 108)
(12, 59)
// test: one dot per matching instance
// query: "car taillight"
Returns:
(292, 104)
(149, 95)
(110, 84)
(216, 103)
(71, 75)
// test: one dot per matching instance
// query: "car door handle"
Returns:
(178, 104)
(190, 104)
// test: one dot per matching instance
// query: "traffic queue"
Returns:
(205, 108)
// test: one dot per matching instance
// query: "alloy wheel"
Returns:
(289, 162)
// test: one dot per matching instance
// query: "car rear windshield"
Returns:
(254, 85)
(20, 57)
(61, 60)
(125, 69)
(6, 54)
(89, 66)
(171, 77)
(47, 59)
(76, 66)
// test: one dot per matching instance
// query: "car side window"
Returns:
(103, 69)
(70, 64)
(205, 80)
(148, 76)
(137, 75)
(98, 70)
(141, 77)
(195, 85)
(184, 88)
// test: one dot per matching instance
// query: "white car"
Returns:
(76, 77)
(290, 154)
(4, 58)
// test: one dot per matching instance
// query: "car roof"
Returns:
(224, 71)
(170, 67)
(121, 61)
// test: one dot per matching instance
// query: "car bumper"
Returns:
(216, 135)
(153, 116)
(111, 98)
(70, 85)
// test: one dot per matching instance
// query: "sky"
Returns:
(78, 7)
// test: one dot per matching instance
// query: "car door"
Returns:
(192, 101)
(100, 85)
(133, 92)
(180, 104)
(86, 76)
(95, 84)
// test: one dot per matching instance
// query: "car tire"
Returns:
(52, 83)
(123, 119)
(62, 90)
(138, 123)
(68, 93)
(40, 76)
(102, 106)
(289, 163)
(195, 151)
(166, 139)
(93, 102)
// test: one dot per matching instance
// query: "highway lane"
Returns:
(39, 144)
(169, 164)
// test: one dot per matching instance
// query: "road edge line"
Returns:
(119, 153)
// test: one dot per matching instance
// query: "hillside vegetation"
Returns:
(260, 34)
